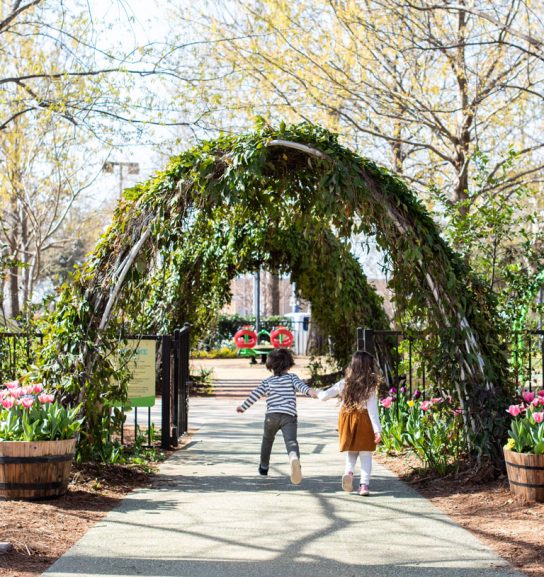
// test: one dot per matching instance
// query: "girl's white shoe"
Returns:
(347, 482)
(296, 471)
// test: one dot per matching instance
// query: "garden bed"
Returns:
(510, 527)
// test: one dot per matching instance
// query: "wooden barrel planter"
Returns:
(525, 474)
(35, 470)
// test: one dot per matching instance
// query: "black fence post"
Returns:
(360, 339)
(176, 430)
(166, 394)
(181, 378)
(184, 374)
(369, 342)
(365, 340)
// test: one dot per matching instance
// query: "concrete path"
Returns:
(209, 514)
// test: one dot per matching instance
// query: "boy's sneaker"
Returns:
(263, 471)
(364, 490)
(347, 482)
(296, 471)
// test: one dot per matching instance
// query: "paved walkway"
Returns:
(209, 514)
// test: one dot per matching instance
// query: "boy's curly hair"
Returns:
(279, 361)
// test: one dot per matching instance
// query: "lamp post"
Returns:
(132, 168)
(257, 300)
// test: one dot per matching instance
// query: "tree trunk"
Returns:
(25, 256)
(464, 137)
(274, 294)
(397, 151)
(13, 292)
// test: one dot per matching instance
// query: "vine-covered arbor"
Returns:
(287, 199)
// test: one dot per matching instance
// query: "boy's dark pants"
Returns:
(273, 422)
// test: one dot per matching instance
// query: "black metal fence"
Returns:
(402, 358)
(19, 351)
(175, 352)
(527, 359)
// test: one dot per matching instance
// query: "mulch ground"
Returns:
(40, 532)
(511, 527)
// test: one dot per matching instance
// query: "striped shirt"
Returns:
(280, 391)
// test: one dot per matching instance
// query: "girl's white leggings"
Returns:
(366, 464)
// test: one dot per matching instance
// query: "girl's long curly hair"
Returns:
(360, 382)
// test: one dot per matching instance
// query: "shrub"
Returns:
(222, 353)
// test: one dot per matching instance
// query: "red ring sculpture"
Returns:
(245, 338)
(281, 337)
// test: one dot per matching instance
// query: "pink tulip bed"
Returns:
(432, 428)
(429, 427)
(526, 433)
(29, 413)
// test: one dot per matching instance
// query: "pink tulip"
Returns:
(17, 393)
(514, 410)
(541, 393)
(436, 400)
(37, 388)
(458, 411)
(44, 398)
(386, 403)
(27, 402)
(426, 405)
(538, 401)
(528, 396)
(12, 384)
(538, 417)
(8, 403)
(28, 389)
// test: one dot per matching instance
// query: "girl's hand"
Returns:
(377, 438)
(312, 393)
(239, 409)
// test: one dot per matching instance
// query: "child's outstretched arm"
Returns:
(253, 397)
(373, 413)
(331, 392)
(305, 389)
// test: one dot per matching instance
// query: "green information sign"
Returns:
(141, 388)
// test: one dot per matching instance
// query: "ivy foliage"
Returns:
(237, 203)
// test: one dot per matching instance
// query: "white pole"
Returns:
(257, 300)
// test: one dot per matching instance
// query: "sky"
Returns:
(124, 24)
(138, 23)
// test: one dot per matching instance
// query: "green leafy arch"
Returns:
(290, 199)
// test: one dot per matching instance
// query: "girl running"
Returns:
(359, 426)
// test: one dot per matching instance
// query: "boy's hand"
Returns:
(312, 393)
(377, 438)
(239, 409)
